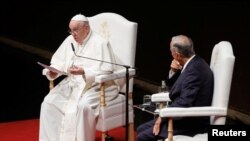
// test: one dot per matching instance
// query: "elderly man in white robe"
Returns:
(70, 110)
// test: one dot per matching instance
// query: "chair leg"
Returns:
(51, 84)
(131, 136)
(103, 136)
(170, 129)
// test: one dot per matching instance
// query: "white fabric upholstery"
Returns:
(113, 116)
(194, 111)
(222, 65)
(122, 35)
(159, 97)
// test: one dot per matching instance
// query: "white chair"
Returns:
(122, 36)
(222, 65)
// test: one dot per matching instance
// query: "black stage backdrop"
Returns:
(44, 24)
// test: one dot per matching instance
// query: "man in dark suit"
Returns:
(193, 87)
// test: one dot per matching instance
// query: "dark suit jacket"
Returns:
(194, 87)
(170, 81)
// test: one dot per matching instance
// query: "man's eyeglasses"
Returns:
(74, 31)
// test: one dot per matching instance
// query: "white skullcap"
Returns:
(79, 17)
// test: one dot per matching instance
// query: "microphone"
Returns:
(126, 66)
(73, 48)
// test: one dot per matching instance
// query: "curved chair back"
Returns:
(222, 65)
(121, 34)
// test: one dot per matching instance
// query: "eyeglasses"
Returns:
(74, 31)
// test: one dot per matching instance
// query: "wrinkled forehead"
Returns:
(75, 24)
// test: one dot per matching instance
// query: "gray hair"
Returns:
(183, 45)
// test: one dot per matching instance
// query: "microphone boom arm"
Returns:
(73, 48)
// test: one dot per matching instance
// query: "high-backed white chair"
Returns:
(122, 36)
(222, 65)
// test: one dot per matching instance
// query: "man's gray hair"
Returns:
(183, 45)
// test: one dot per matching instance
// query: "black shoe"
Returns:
(109, 138)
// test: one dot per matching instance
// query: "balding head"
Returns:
(183, 45)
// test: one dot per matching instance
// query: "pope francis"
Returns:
(70, 110)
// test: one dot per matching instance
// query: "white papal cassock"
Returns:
(70, 110)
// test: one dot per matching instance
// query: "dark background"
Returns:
(44, 24)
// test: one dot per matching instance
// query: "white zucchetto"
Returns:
(79, 17)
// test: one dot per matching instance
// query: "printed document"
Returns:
(52, 69)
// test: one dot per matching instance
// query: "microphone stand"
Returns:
(126, 97)
(127, 86)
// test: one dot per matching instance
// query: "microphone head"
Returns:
(72, 46)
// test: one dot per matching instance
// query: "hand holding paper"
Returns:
(52, 69)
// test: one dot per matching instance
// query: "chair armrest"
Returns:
(115, 75)
(160, 97)
(193, 111)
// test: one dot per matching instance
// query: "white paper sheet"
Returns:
(52, 69)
